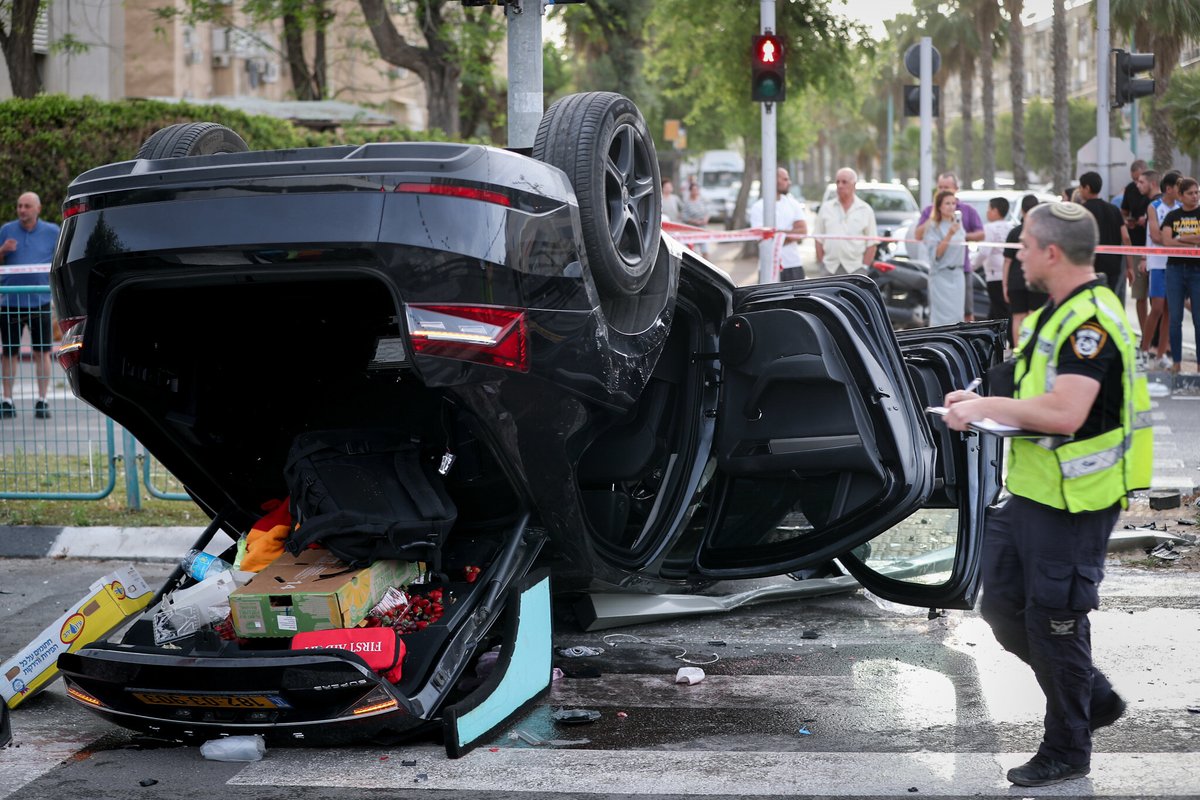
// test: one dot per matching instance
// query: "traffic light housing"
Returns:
(912, 100)
(1129, 88)
(768, 67)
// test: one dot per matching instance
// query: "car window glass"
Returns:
(920, 549)
(888, 201)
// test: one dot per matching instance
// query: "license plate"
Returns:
(212, 700)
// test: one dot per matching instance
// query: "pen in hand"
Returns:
(973, 385)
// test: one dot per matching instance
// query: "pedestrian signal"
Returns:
(767, 68)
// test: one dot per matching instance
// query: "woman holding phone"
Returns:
(944, 243)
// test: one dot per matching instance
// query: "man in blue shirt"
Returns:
(24, 242)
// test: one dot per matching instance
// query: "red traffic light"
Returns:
(767, 68)
(767, 50)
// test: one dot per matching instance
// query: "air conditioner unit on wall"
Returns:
(222, 59)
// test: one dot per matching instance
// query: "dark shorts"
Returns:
(37, 319)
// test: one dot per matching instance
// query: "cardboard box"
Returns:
(314, 592)
(110, 601)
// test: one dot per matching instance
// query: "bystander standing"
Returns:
(27, 240)
(845, 215)
(789, 217)
(1111, 226)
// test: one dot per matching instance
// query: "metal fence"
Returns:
(55, 447)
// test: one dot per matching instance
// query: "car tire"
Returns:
(600, 140)
(192, 139)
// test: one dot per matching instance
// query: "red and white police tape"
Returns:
(689, 234)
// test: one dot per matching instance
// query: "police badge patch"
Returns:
(1088, 341)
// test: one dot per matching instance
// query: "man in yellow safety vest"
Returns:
(1075, 380)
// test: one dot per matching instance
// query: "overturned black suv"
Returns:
(598, 400)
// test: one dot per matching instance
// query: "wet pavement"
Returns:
(877, 704)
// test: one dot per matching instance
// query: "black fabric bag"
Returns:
(366, 495)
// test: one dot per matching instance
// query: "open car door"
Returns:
(823, 445)
(932, 558)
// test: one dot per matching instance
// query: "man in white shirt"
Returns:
(845, 215)
(789, 216)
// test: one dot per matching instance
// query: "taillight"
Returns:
(72, 341)
(485, 334)
(451, 190)
(75, 207)
(84, 697)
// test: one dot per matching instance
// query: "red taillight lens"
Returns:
(75, 207)
(72, 341)
(449, 190)
(485, 334)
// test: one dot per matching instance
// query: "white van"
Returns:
(720, 178)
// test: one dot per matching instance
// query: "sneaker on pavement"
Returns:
(7, 409)
(1103, 717)
(1043, 771)
(41, 409)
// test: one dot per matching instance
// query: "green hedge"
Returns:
(45, 142)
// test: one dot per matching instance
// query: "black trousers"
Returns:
(1042, 569)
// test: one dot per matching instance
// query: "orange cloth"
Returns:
(264, 543)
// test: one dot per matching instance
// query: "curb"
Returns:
(144, 544)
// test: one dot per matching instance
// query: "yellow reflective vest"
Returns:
(1081, 474)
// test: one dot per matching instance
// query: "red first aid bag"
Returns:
(381, 648)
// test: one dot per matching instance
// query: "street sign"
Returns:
(912, 60)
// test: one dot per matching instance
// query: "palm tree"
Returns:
(1016, 83)
(955, 37)
(1170, 23)
(987, 20)
(1062, 123)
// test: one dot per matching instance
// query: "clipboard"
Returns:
(992, 427)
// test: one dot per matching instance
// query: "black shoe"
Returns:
(41, 409)
(1042, 771)
(7, 409)
(1110, 714)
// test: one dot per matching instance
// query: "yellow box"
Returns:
(314, 591)
(110, 602)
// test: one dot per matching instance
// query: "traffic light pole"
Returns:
(1103, 57)
(524, 71)
(766, 247)
(926, 121)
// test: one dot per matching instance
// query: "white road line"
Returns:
(705, 773)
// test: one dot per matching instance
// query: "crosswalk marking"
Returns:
(575, 772)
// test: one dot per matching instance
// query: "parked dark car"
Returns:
(618, 411)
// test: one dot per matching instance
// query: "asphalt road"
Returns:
(878, 704)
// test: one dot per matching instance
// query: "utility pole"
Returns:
(926, 121)
(766, 247)
(1103, 56)
(524, 71)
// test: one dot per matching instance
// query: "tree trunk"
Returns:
(436, 65)
(293, 45)
(1166, 59)
(1016, 83)
(320, 59)
(441, 85)
(17, 43)
(941, 157)
(988, 99)
(1062, 117)
(966, 81)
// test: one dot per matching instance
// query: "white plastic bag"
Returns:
(234, 748)
(689, 675)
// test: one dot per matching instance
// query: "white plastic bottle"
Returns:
(200, 565)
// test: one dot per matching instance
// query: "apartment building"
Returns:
(130, 49)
